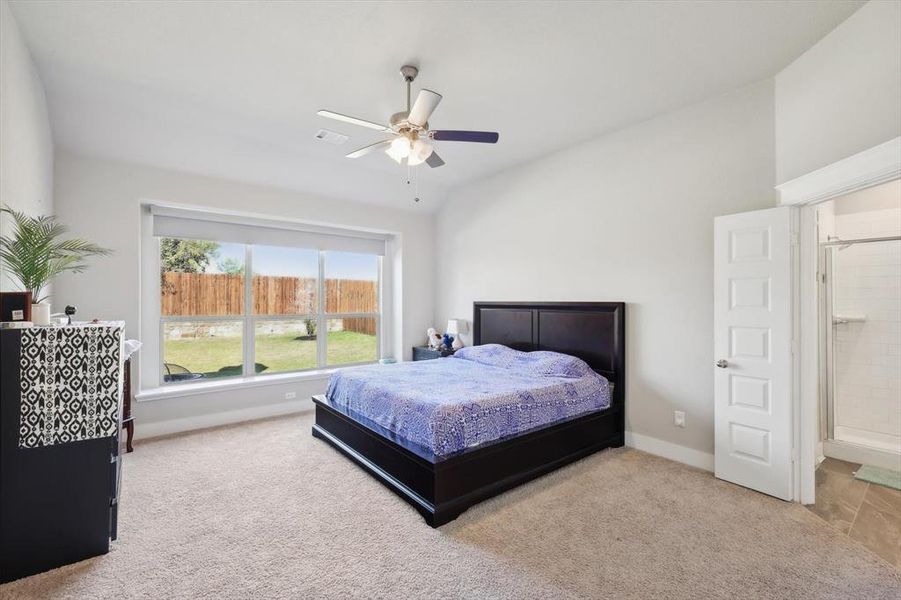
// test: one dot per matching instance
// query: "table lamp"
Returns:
(455, 327)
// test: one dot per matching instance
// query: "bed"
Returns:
(448, 433)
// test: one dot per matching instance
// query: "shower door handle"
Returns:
(845, 319)
(722, 363)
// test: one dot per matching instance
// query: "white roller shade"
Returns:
(203, 225)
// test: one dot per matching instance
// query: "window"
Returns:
(352, 305)
(286, 308)
(230, 309)
(202, 308)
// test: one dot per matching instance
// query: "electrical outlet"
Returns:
(679, 418)
(290, 395)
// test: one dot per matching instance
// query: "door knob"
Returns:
(722, 363)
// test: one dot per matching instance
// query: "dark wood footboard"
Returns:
(441, 491)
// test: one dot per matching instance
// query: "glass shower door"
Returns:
(866, 344)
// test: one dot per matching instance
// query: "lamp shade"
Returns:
(420, 151)
(456, 326)
(399, 149)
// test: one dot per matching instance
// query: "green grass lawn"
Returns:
(221, 356)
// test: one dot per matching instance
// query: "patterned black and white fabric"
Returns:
(71, 382)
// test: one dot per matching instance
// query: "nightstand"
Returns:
(426, 353)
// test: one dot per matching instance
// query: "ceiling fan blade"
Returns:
(425, 104)
(352, 120)
(482, 137)
(434, 160)
(370, 148)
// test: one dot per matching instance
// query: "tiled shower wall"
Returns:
(867, 355)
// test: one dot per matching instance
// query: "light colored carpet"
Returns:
(263, 510)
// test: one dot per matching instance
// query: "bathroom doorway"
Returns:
(858, 474)
(860, 324)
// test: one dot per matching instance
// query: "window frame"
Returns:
(250, 320)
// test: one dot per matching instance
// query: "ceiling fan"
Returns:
(410, 134)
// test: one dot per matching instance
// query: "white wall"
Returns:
(627, 217)
(843, 95)
(885, 196)
(100, 200)
(26, 144)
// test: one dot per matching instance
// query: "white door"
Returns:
(753, 350)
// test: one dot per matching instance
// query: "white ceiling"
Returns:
(231, 89)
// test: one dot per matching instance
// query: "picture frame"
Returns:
(15, 306)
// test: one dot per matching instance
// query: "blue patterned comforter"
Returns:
(480, 394)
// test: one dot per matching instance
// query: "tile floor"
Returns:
(868, 513)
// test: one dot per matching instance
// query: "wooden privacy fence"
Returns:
(220, 294)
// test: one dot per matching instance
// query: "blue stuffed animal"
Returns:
(447, 342)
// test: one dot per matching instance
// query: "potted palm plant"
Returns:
(35, 252)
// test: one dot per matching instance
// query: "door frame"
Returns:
(876, 165)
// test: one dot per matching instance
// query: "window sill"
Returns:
(210, 387)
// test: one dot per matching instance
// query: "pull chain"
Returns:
(413, 180)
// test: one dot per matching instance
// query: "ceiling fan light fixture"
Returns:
(399, 149)
(409, 130)
(419, 152)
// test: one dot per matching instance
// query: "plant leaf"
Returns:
(35, 254)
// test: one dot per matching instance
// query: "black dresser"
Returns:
(59, 474)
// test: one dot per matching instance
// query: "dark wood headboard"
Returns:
(592, 331)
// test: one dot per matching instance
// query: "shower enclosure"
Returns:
(861, 309)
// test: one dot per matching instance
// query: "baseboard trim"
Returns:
(849, 452)
(682, 454)
(144, 431)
